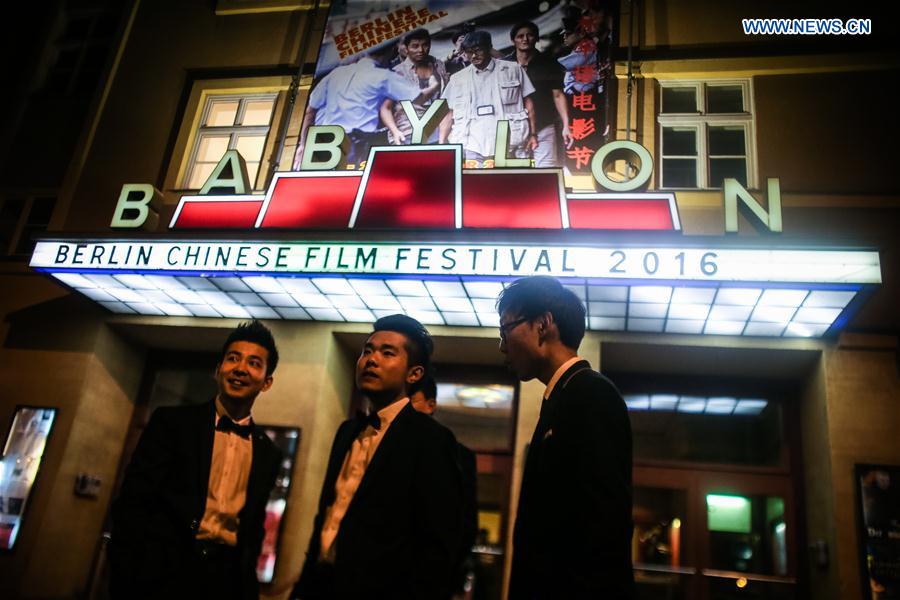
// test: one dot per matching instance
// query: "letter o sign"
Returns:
(643, 175)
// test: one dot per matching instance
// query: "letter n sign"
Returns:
(734, 191)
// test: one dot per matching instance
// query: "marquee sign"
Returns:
(698, 290)
(486, 260)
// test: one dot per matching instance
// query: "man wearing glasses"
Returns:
(485, 92)
(572, 537)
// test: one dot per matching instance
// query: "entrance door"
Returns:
(170, 379)
(710, 534)
(478, 404)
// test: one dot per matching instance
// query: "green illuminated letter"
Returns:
(236, 182)
(141, 201)
(336, 148)
(500, 158)
(643, 175)
(424, 127)
(734, 191)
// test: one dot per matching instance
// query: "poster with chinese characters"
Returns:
(878, 493)
(514, 83)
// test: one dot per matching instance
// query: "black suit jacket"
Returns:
(400, 535)
(163, 498)
(572, 537)
(469, 471)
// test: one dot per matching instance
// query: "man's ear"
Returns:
(415, 373)
(267, 384)
(544, 324)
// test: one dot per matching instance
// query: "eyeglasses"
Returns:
(507, 327)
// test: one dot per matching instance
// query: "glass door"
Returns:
(750, 541)
(713, 535)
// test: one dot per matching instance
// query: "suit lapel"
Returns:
(549, 407)
(347, 434)
(257, 464)
(566, 377)
(206, 424)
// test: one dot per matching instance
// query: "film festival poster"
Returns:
(575, 40)
(878, 495)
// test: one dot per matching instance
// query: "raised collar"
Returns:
(390, 412)
(559, 373)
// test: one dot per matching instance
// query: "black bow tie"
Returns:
(226, 424)
(370, 419)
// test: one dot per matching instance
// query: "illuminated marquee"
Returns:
(693, 290)
(488, 260)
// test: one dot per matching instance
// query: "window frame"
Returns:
(702, 121)
(234, 131)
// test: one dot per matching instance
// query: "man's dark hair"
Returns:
(419, 345)
(530, 25)
(478, 38)
(427, 385)
(466, 28)
(256, 333)
(417, 34)
(530, 297)
(383, 52)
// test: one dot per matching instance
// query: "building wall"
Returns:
(815, 122)
(56, 351)
(863, 392)
(822, 133)
(171, 45)
(818, 501)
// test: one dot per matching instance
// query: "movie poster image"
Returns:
(287, 439)
(19, 465)
(878, 490)
(448, 71)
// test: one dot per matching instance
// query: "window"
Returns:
(81, 38)
(21, 218)
(706, 134)
(230, 122)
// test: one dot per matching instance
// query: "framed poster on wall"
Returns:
(22, 453)
(288, 440)
(878, 498)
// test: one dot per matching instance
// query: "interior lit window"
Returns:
(230, 122)
(706, 134)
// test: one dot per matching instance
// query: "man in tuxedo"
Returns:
(389, 510)
(188, 522)
(572, 537)
(424, 400)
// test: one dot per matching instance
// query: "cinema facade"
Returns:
(736, 257)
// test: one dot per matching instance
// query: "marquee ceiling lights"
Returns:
(721, 308)
(718, 405)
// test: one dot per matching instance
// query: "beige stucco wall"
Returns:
(57, 352)
(171, 44)
(817, 513)
(312, 390)
(863, 391)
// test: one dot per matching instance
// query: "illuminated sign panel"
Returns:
(689, 290)
(640, 263)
